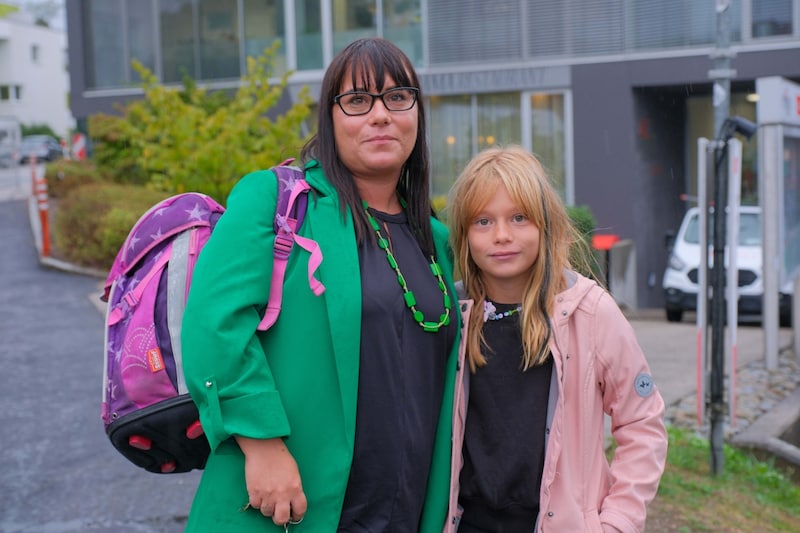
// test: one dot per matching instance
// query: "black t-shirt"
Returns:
(505, 433)
(400, 385)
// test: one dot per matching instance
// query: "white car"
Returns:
(681, 275)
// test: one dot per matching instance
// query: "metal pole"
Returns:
(717, 386)
(721, 74)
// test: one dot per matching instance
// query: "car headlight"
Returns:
(675, 263)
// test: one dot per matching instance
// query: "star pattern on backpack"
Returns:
(197, 213)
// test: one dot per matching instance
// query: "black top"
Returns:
(400, 386)
(505, 433)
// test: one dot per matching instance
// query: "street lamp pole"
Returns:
(721, 74)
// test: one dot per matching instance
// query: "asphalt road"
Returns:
(58, 471)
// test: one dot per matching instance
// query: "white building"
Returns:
(34, 80)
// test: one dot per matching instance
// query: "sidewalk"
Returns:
(766, 403)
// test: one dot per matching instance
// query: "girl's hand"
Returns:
(273, 480)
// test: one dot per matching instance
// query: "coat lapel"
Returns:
(340, 274)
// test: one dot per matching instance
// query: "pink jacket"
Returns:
(598, 368)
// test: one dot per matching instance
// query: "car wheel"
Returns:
(674, 315)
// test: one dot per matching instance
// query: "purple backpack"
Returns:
(147, 411)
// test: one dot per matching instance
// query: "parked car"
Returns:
(8, 155)
(680, 280)
(44, 147)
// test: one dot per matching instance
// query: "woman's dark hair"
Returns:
(368, 61)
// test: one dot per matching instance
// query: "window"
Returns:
(462, 125)
(402, 24)
(5, 93)
(771, 17)
(352, 19)
(218, 39)
(105, 58)
(176, 18)
(34, 53)
(549, 136)
(308, 31)
(498, 120)
(141, 37)
(117, 32)
(451, 134)
(263, 25)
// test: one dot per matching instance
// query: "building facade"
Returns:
(34, 82)
(610, 94)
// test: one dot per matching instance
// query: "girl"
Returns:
(549, 354)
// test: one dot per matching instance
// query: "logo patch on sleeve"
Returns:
(643, 385)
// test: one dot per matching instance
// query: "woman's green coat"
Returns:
(299, 379)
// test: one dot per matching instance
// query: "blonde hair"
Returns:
(528, 186)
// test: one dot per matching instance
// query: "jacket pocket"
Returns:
(591, 521)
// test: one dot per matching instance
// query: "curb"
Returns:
(765, 433)
(64, 266)
(57, 264)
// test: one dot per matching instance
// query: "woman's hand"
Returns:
(273, 480)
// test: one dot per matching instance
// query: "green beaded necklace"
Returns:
(408, 296)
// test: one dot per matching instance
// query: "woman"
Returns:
(339, 417)
(550, 354)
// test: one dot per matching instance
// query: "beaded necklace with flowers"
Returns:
(490, 311)
(408, 296)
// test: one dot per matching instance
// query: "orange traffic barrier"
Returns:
(40, 190)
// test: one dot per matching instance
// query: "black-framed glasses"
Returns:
(354, 103)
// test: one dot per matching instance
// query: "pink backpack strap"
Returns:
(287, 223)
(131, 299)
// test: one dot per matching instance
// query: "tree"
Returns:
(190, 140)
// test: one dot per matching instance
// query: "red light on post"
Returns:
(604, 242)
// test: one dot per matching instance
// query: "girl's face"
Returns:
(504, 244)
(378, 143)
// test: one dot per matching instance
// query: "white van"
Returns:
(681, 275)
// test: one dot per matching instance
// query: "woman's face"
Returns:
(377, 144)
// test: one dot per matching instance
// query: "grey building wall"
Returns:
(629, 130)
(630, 142)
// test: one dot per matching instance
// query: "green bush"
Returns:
(583, 257)
(64, 175)
(92, 221)
(114, 150)
(189, 139)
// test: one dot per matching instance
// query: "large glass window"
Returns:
(498, 119)
(105, 59)
(402, 24)
(450, 138)
(141, 36)
(352, 19)
(771, 17)
(308, 30)
(461, 126)
(657, 24)
(176, 18)
(118, 31)
(263, 25)
(549, 136)
(219, 39)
